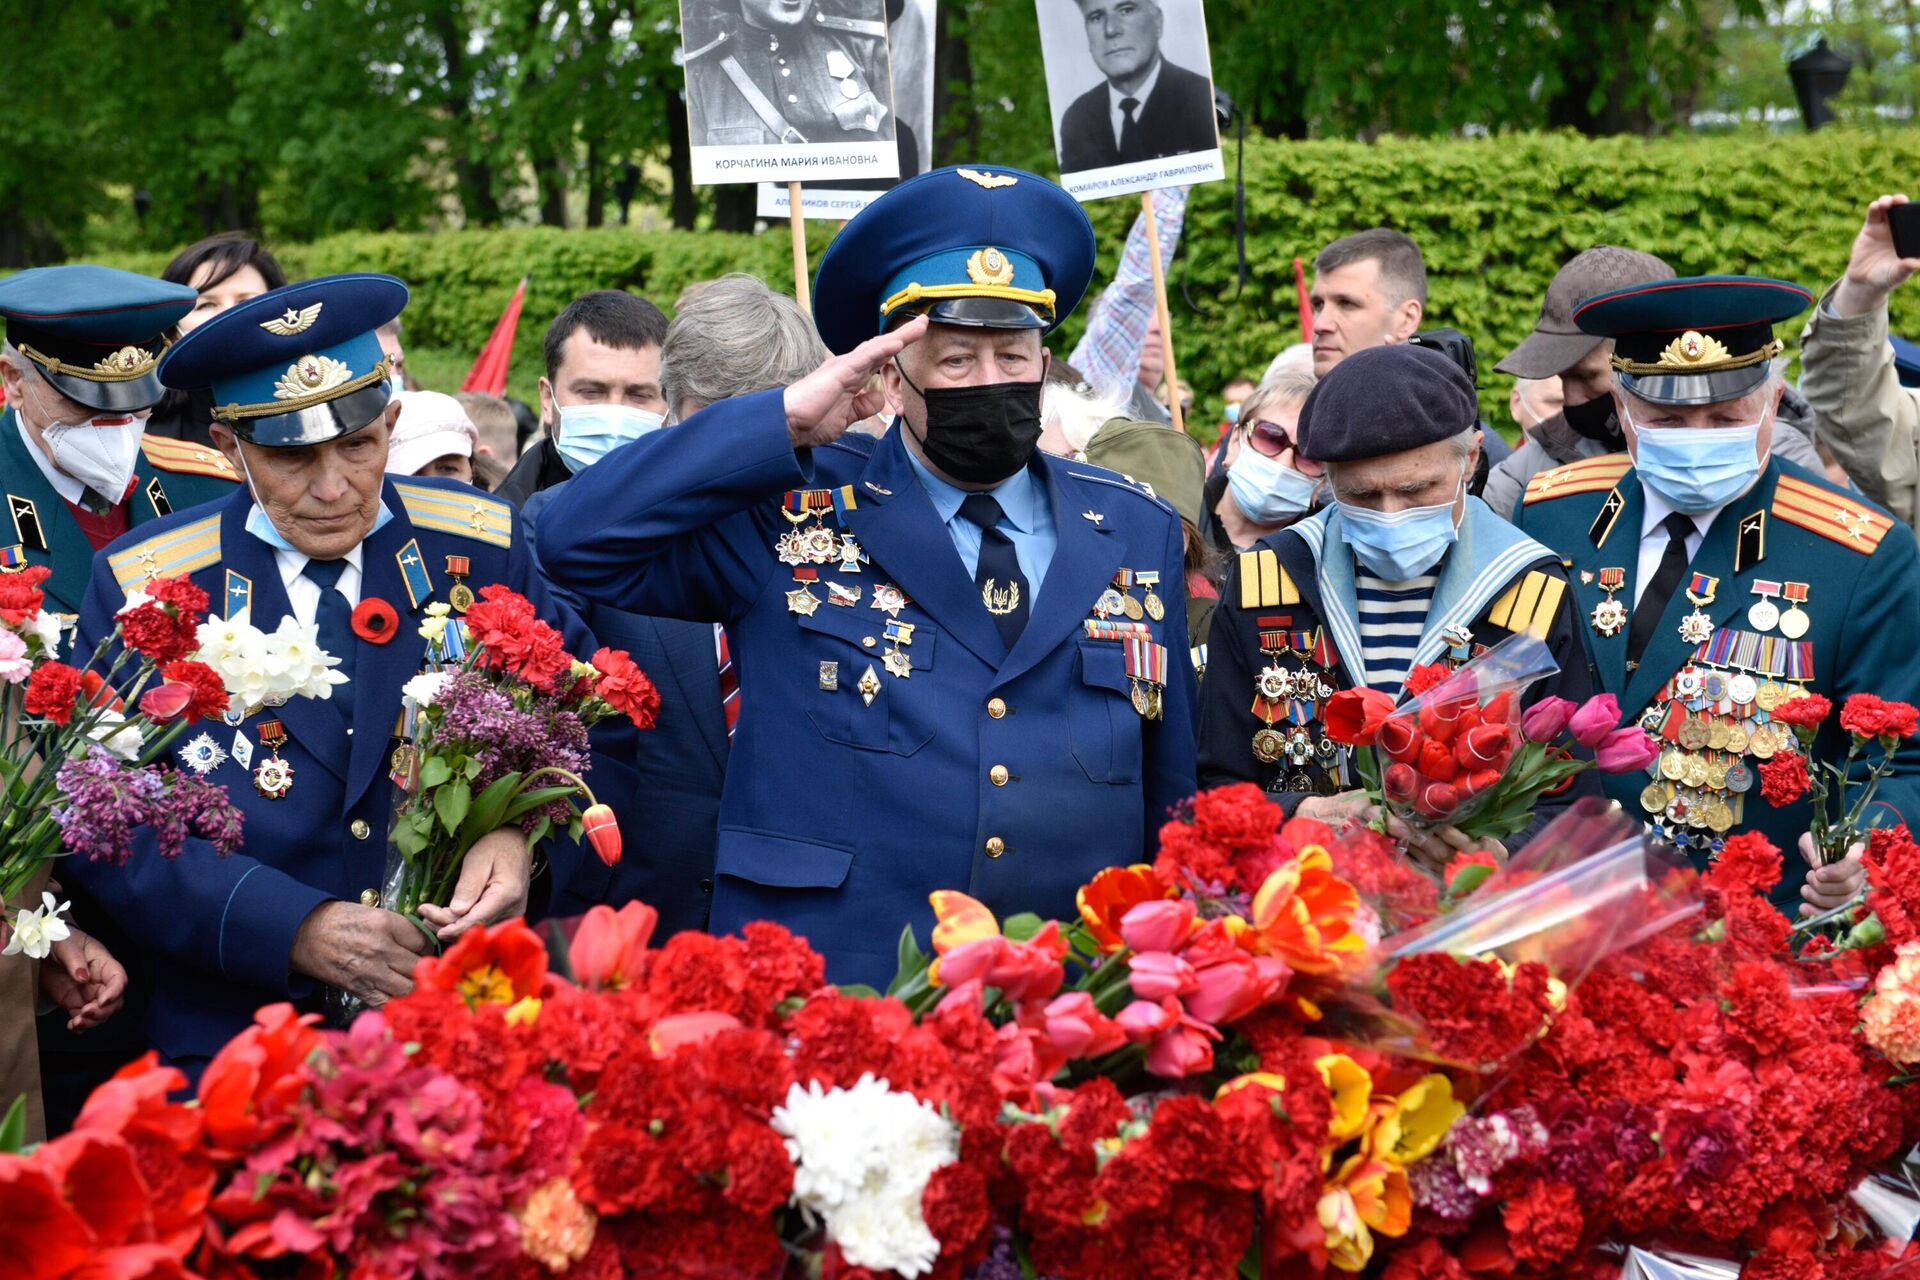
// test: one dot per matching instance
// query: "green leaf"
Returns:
(911, 963)
(473, 768)
(489, 809)
(527, 801)
(860, 991)
(1469, 879)
(1022, 926)
(13, 1129)
(451, 803)
(434, 771)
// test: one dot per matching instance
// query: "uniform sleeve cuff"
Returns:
(262, 916)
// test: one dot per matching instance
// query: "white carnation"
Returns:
(134, 601)
(47, 626)
(124, 742)
(863, 1157)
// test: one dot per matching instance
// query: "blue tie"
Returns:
(1002, 588)
(334, 616)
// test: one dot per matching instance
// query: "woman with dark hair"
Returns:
(224, 270)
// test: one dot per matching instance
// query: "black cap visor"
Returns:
(1694, 388)
(107, 397)
(316, 424)
(974, 313)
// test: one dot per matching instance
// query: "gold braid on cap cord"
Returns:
(293, 404)
(1696, 352)
(124, 365)
(915, 293)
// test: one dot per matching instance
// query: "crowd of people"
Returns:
(927, 604)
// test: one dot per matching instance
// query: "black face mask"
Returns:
(1594, 420)
(980, 435)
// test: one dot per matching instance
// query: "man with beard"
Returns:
(1586, 426)
(962, 661)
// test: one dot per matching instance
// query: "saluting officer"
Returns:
(962, 662)
(79, 364)
(1717, 580)
(321, 534)
(1404, 568)
(788, 71)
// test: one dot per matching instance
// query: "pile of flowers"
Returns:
(1165, 1086)
(84, 761)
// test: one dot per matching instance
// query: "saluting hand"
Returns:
(822, 405)
(494, 881)
(368, 952)
(1874, 270)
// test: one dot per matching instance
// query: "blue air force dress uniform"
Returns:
(296, 367)
(896, 734)
(1714, 586)
(95, 335)
(1294, 625)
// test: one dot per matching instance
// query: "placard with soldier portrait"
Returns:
(1131, 86)
(910, 27)
(789, 90)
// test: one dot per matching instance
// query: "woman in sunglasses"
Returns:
(1265, 485)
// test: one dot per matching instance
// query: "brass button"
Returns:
(359, 828)
(869, 642)
(997, 708)
(995, 846)
(998, 775)
(369, 897)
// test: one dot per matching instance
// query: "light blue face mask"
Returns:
(1233, 412)
(1267, 492)
(1404, 544)
(589, 432)
(1697, 469)
(261, 526)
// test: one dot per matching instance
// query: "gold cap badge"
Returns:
(989, 266)
(310, 374)
(293, 322)
(988, 180)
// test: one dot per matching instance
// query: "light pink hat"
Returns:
(431, 426)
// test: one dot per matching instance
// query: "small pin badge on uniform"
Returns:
(1092, 515)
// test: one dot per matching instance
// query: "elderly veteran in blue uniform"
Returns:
(961, 660)
(1716, 580)
(302, 409)
(1402, 569)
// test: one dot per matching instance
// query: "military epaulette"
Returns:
(1264, 583)
(1119, 480)
(1584, 475)
(184, 549)
(877, 30)
(471, 515)
(1528, 606)
(184, 457)
(1831, 514)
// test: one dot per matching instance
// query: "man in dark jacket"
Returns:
(1148, 108)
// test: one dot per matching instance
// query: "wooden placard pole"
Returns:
(799, 224)
(1160, 310)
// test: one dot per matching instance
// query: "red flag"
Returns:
(1306, 302)
(489, 372)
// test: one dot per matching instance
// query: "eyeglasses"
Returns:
(1269, 438)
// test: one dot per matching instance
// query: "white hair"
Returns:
(1079, 413)
(1297, 358)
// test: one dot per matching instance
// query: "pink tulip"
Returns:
(609, 949)
(1595, 719)
(1017, 1061)
(1185, 1050)
(1160, 925)
(678, 1030)
(1155, 975)
(165, 701)
(1021, 970)
(1144, 1019)
(1626, 750)
(1546, 719)
(970, 995)
(1080, 1030)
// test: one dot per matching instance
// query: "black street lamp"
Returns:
(1817, 75)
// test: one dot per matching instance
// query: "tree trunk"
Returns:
(956, 120)
(734, 206)
(682, 205)
(551, 176)
(596, 185)
(474, 175)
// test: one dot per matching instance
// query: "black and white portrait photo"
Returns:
(786, 90)
(1132, 93)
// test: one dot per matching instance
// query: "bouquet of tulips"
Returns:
(498, 727)
(82, 759)
(1462, 751)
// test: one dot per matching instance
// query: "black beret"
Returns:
(1386, 400)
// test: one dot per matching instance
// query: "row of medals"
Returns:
(1283, 690)
(808, 548)
(1700, 779)
(1118, 601)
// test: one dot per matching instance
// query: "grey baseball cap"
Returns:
(1556, 343)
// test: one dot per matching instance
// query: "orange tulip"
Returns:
(609, 948)
(1365, 1197)
(1303, 914)
(1107, 897)
(603, 832)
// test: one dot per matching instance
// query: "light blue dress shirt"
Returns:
(1026, 516)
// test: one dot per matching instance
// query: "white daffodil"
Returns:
(35, 931)
(112, 732)
(424, 689)
(134, 601)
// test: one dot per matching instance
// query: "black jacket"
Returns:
(1177, 118)
(540, 467)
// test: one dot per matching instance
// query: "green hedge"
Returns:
(1496, 217)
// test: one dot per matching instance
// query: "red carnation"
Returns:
(1803, 713)
(1893, 877)
(1783, 779)
(511, 639)
(210, 697)
(1353, 716)
(1544, 1224)
(1749, 861)
(375, 621)
(1869, 717)
(20, 594)
(1421, 679)
(623, 686)
(181, 595)
(51, 690)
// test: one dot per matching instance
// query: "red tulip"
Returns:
(680, 1029)
(165, 701)
(1478, 781)
(1484, 746)
(1354, 716)
(1499, 709)
(609, 948)
(1437, 800)
(1436, 761)
(603, 831)
(1443, 719)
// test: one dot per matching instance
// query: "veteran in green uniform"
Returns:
(789, 71)
(1718, 582)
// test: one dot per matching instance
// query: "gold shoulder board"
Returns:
(1586, 475)
(1263, 582)
(1529, 606)
(1831, 514)
(187, 549)
(470, 515)
(184, 457)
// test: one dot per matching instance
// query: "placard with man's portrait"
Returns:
(1131, 86)
(788, 90)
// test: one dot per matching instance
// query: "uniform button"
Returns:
(998, 775)
(786, 71)
(793, 97)
(706, 886)
(369, 897)
(869, 641)
(349, 733)
(997, 708)
(995, 846)
(359, 828)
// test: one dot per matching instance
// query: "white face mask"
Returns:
(100, 452)
(589, 432)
